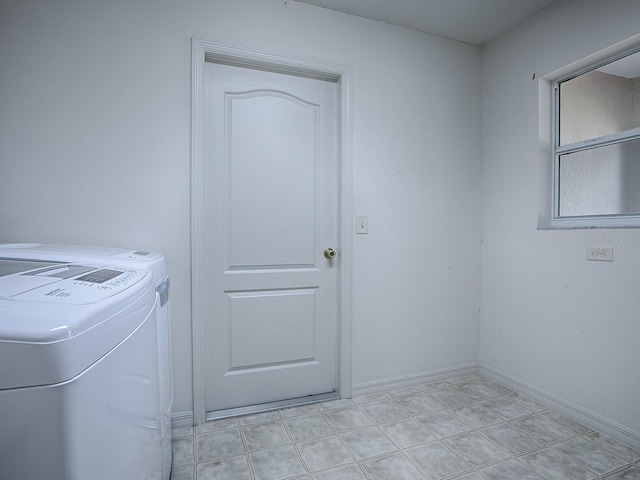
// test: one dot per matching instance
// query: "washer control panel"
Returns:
(67, 283)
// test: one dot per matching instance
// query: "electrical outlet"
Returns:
(600, 254)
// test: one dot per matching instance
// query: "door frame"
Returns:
(203, 51)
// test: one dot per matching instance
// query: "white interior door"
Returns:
(270, 201)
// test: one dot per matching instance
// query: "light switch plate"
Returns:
(362, 224)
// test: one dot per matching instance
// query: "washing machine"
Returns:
(155, 263)
(78, 371)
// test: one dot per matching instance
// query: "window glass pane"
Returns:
(601, 102)
(601, 181)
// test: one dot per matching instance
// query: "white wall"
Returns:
(94, 148)
(564, 326)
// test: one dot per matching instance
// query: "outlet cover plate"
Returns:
(600, 254)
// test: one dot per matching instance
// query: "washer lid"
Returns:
(57, 320)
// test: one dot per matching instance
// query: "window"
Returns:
(597, 145)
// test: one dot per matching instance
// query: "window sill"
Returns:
(590, 223)
(585, 227)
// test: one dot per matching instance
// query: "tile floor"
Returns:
(466, 428)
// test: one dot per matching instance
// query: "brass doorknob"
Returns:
(329, 253)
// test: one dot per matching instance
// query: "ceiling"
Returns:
(471, 21)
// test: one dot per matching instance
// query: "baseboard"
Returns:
(413, 379)
(576, 412)
(180, 419)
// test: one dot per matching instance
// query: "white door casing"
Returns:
(271, 281)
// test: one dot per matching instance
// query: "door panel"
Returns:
(271, 154)
(270, 210)
(272, 328)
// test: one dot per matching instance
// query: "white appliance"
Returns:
(78, 371)
(155, 263)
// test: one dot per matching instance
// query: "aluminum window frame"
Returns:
(587, 221)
